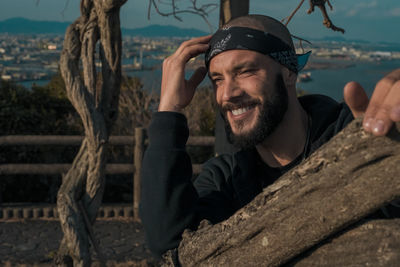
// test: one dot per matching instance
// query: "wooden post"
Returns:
(140, 136)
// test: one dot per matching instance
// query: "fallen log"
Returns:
(348, 178)
(372, 243)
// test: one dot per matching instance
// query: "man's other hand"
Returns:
(384, 107)
(176, 92)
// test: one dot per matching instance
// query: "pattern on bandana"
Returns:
(220, 46)
(229, 38)
(286, 58)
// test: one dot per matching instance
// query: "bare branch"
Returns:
(64, 9)
(327, 21)
(149, 9)
(301, 40)
(321, 5)
(329, 4)
(293, 13)
(202, 10)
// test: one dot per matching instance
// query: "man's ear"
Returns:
(289, 77)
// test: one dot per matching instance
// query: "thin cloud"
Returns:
(361, 7)
(395, 12)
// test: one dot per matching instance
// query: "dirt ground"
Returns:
(26, 242)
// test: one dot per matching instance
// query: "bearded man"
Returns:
(253, 67)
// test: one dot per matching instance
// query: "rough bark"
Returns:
(230, 9)
(372, 243)
(82, 189)
(348, 178)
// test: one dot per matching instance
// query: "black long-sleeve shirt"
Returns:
(170, 202)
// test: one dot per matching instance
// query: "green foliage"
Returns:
(47, 110)
(201, 112)
(135, 106)
(41, 110)
(201, 115)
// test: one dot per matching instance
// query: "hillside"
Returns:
(27, 26)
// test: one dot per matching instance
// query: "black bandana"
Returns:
(230, 38)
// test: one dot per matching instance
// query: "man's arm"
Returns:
(384, 107)
(169, 201)
(168, 197)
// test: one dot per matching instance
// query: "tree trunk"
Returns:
(348, 178)
(228, 9)
(81, 192)
(372, 243)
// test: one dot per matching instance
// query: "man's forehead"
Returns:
(237, 58)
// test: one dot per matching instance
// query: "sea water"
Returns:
(328, 82)
(331, 82)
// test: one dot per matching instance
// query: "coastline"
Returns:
(323, 65)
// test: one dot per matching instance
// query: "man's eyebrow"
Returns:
(236, 68)
(244, 65)
(212, 74)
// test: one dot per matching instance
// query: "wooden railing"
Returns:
(139, 142)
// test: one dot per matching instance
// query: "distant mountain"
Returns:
(341, 39)
(21, 25)
(166, 31)
(27, 26)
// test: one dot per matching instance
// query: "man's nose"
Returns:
(231, 89)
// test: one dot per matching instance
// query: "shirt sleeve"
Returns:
(170, 202)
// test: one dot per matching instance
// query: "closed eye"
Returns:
(246, 72)
(216, 79)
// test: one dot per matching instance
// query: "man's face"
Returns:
(251, 94)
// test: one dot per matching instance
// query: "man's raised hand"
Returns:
(176, 91)
(384, 107)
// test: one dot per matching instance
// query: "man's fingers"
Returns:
(176, 92)
(388, 112)
(382, 88)
(356, 98)
(192, 51)
(197, 77)
(177, 62)
(194, 41)
(377, 117)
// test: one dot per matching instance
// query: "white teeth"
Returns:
(239, 111)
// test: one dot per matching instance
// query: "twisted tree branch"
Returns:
(81, 192)
(327, 21)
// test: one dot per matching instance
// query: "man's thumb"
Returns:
(356, 98)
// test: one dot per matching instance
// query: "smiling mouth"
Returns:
(237, 110)
(240, 111)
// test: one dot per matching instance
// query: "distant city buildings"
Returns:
(351, 51)
(29, 57)
(36, 57)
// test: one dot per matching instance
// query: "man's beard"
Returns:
(271, 114)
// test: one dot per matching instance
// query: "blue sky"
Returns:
(372, 20)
